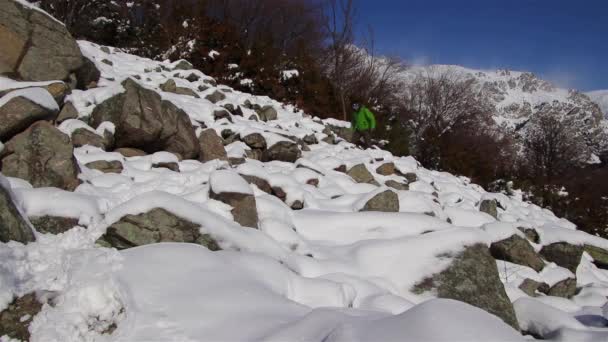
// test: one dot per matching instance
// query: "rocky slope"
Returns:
(601, 98)
(142, 201)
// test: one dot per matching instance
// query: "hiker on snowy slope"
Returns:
(363, 121)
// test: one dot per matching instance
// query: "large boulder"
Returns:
(472, 278)
(13, 227)
(517, 250)
(35, 47)
(154, 226)
(43, 156)
(19, 112)
(564, 254)
(386, 201)
(286, 151)
(144, 121)
(229, 187)
(211, 146)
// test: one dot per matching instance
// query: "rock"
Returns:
(517, 250)
(16, 318)
(255, 140)
(279, 193)
(146, 122)
(58, 90)
(396, 185)
(83, 136)
(229, 107)
(472, 278)
(343, 132)
(244, 208)
(19, 113)
(310, 139)
(106, 49)
(267, 113)
(490, 207)
(35, 46)
(530, 234)
(530, 287)
(67, 112)
(107, 61)
(216, 96)
(563, 254)
(202, 88)
(130, 152)
(171, 166)
(53, 224)
(87, 75)
(211, 146)
(193, 77)
(599, 255)
(411, 177)
(283, 151)
(234, 161)
(210, 81)
(105, 166)
(254, 154)
(565, 288)
(262, 184)
(43, 156)
(386, 169)
(341, 168)
(297, 205)
(170, 87)
(360, 174)
(221, 114)
(13, 227)
(183, 65)
(386, 201)
(154, 226)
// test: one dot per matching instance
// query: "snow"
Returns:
(39, 96)
(601, 98)
(327, 272)
(289, 74)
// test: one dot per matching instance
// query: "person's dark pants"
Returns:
(362, 135)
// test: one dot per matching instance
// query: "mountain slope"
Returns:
(601, 98)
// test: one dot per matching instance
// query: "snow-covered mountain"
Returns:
(145, 202)
(601, 98)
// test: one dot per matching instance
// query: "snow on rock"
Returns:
(39, 96)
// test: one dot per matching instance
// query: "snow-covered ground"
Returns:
(327, 272)
(601, 98)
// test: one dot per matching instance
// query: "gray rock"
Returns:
(211, 146)
(530, 234)
(146, 122)
(216, 96)
(17, 317)
(531, 287)
(183, 65)
(35, 47)
(53, 224)
(262, 184)
(105, 166)
(82, 136)
(342, 132)
(221, 114)
(130, 152)
(386, 169)
(599, 255)
(396, 185)
(13, 227)
(193, 77)
(565, 288)
(170, 87)
(473, 278)
(87, 75)
(517, 250)
(255, 141)
(244, 209)
(386, 201)
(43, 156)
(267, 113)
(563, 254)
(171, 166)
(360, 174)
(19, 113)
(310, 139)
(67, 112)
(489, 207)
(283, 151)
(411, 177)
(154, 226)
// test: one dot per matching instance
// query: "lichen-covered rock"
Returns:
(563, 254)
(154, 226)
(386, 169)
(19, 113)
(16, 318)
(43, 156)
(211, 146)
(473, 278)
(490, 207)
(53, 224)
(517, 250)
(386, 201)
(283, 151)
(13, 227)
(267, 113)
(35, 47)
(599, 255)
(360, 174)
(113, 166)
(144, 121)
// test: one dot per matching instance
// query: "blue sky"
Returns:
(565, 41)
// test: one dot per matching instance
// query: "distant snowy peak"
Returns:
(601, 98)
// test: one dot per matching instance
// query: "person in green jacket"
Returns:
(363, 122)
